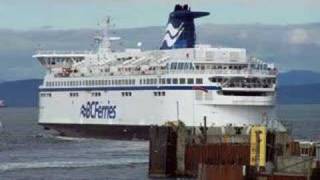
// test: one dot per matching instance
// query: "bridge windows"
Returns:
(181, 66)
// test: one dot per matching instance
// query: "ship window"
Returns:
(180, 66)
(159, 93)
(182, 80)
(168, 81)
(173, 66)
(199, 81)
(126, 94)
(73, 94)
(96, 94)
(45, 94)
(186, 65)
(174, 81)
(162, 81)
(190, 81)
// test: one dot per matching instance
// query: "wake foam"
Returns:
(69, 164)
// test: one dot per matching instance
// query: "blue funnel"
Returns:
(180, 31)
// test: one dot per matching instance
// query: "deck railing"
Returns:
(53, 52)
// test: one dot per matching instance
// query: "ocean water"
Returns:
(29, 152)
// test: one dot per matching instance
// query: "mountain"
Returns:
(295, 87)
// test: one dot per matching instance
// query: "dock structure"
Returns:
(229, 153)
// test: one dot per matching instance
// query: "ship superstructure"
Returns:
(103, 93)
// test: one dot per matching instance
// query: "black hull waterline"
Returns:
(101, 131)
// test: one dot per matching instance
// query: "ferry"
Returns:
(105, 93)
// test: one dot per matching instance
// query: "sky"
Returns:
(73, 14)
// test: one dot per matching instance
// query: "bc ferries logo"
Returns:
(172, 34)
(95, 110)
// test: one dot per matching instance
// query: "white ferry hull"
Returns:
(145, 108)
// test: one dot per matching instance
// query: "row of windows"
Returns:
(91, 82)
(173, 81)
(125, 82)
(180, 66)
(45, 95)
(159, 93)
(96, 94)
(126, 93)
(74, 94)
(211, 66)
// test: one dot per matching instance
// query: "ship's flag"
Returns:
(200, 88)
